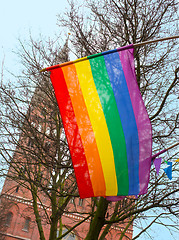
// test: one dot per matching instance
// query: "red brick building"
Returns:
(20, 220)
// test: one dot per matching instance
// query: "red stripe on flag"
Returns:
(72, 133)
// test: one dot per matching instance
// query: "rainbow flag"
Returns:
(106, 123)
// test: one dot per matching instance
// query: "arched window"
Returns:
(80, 203)
(9, 219)
(26, 224)
(72, 200)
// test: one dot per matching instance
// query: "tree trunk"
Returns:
(37, 215)
(54, 219)
(98, 220)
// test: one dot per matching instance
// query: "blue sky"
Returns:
(17, 17)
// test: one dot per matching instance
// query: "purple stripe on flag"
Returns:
(115, 198)
(142, 119)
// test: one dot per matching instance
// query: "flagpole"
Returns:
(166, 149)
(154, 41)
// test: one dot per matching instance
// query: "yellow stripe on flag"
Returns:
(99, 125)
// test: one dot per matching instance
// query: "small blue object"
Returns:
(168, 170)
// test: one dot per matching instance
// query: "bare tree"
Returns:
(33, 142)
(97, 26)
(33, 148)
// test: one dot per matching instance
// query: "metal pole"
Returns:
(154, 41)
(157, 154)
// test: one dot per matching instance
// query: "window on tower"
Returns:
(26, 224)
(80, 203)
(9, 217)
(17, 189)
